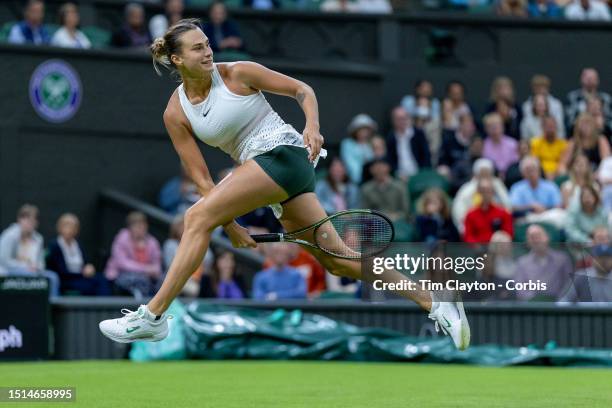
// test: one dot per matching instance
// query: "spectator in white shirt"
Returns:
(173, 12)
(540, 85)
(587, 10)
(69, 35)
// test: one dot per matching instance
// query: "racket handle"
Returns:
(267, 237)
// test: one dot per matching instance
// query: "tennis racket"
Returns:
(352, 234)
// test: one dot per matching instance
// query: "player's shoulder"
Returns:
(237, 69)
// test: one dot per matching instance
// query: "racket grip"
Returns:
(267, 237)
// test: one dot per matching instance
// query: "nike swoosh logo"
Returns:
(447, 322)
(206, 112)
(131, 329)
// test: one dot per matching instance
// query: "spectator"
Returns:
(31, 30)
(135, 262)
(311, 270)
(577, 99)
(513, 174)
(603, 125)
(501, 149)
(379, 148)
(605, 178)
(22, 249)
(588, 141)
(534, 195)
(169, 248)
(178, 194)
(356, 150)
(65, 257)
(593, 283)
(531, 125)
(261, 4)
(500, 256)
(407, 147)
(587, 10)
(422, 89)
(385, 194)
(512, 8)
(336, 192)
(543, 263)
(454, 105)
(340, 6)
(134, 32)
(540, 85)
(434, 222)
(279, 281)
(173, 12)
(69, 35)
(430, 125)
(222, 32)
(544, 9)
(580, 175)
(549, 149)
(484, 220)
(223, 282)
(468, 196)
(504, 103)
(584, 218)
(460, 149)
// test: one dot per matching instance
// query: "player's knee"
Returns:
(199, 218)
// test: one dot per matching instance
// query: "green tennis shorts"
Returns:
(290, 168)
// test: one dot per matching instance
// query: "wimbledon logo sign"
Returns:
(11, 338)
(55, 91)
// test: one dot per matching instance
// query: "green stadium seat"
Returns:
(423, 180)
(404, 231)
(229, 56)
(520, 232)
(5, 30)
(99, 37)
(559, 180)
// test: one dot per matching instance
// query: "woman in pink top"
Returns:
(502, 150)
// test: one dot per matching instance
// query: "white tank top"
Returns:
(241, 126)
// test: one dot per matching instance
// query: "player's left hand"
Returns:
(312, 140)
(239, 235)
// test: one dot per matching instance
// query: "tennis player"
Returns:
(223, 106)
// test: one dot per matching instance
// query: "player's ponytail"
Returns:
(164, 47)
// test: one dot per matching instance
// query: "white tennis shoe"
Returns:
(450, 317)
(136, 326)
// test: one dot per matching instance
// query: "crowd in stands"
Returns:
(138, 31)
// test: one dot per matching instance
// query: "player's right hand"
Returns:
(239, 236)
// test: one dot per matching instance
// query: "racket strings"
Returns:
(355, 235)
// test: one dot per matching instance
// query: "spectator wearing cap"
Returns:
(407, 147)
(550, 149)
(66, 257)
(22, 249)
(594, 283)
(135, 262)
(540, 85)
(460, 149)
(589, 88)
(482, 221)
(356, 150)
(173, 12)
(585, 217)
(468, 197)
(385, 194)
(423, 88)
(134, 32)
(498, 147)
(587, 10)
(31, 30)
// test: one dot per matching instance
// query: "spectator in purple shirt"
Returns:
(135, 262)
(134, 33)
(545, 264)
(223, 282)
(499, 148)
(280, 281)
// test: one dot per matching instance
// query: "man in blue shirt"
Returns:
(31, 30)
(533, 194)
(280, 281)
